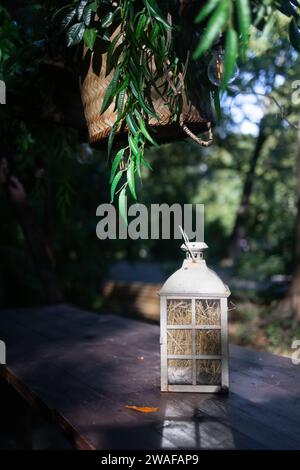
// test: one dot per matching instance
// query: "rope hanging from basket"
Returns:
(178, 91)
(203, 143)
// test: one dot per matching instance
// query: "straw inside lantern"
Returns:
(207, 342)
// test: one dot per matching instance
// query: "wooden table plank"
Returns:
(85, 368)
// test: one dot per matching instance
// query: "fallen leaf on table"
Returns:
(142, 409)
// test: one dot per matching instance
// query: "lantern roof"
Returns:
(195, 278)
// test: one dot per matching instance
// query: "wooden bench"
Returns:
(141, 299)
(81, 369)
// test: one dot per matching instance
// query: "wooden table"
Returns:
(82, 369)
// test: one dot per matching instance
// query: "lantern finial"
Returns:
(193, 249)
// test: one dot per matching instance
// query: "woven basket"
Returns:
(93, 86)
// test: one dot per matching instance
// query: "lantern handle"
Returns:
(186, 242)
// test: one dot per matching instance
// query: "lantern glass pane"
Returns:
(180, 342)
(208, 372)
(179, 371)
(208, 312)
(208, 342)
(179, 312)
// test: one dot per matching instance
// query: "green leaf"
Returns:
(131, 123)
(111, 90)
(110, 51)
(68, 18)
(81, 6)
(107, 100)
(138, 165)
(155, 34)
(133, 62)
(75, 34)
(58, 11)
(137, 139)
(105, 36)
(145, 163)
(206, 10)
(133, 145)
(244, 22)
(134, 87)
(120, 102)
(122, 205)
(116, 163)
(148, 109)
(109, 18)
(216, 98)
(146, 133)
(122, 86)
(214, 28)
(137, 114)
(111, 138)
(114, 185)
(87, 15)
(89, 37)
(130, 179)
(93, 6)
(294, 35)
(141, 26)
(163, 48)
(154, 10)
(113, 58)
(231, 52)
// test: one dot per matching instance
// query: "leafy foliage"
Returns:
(139, 34)
(140, 51)
(234, 18)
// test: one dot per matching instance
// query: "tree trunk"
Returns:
(291, 303)
(239, 228)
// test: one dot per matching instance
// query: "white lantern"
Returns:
(193, 324)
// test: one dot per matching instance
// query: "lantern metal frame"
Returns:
(223, 357)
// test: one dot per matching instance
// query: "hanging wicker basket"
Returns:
(195, 117)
